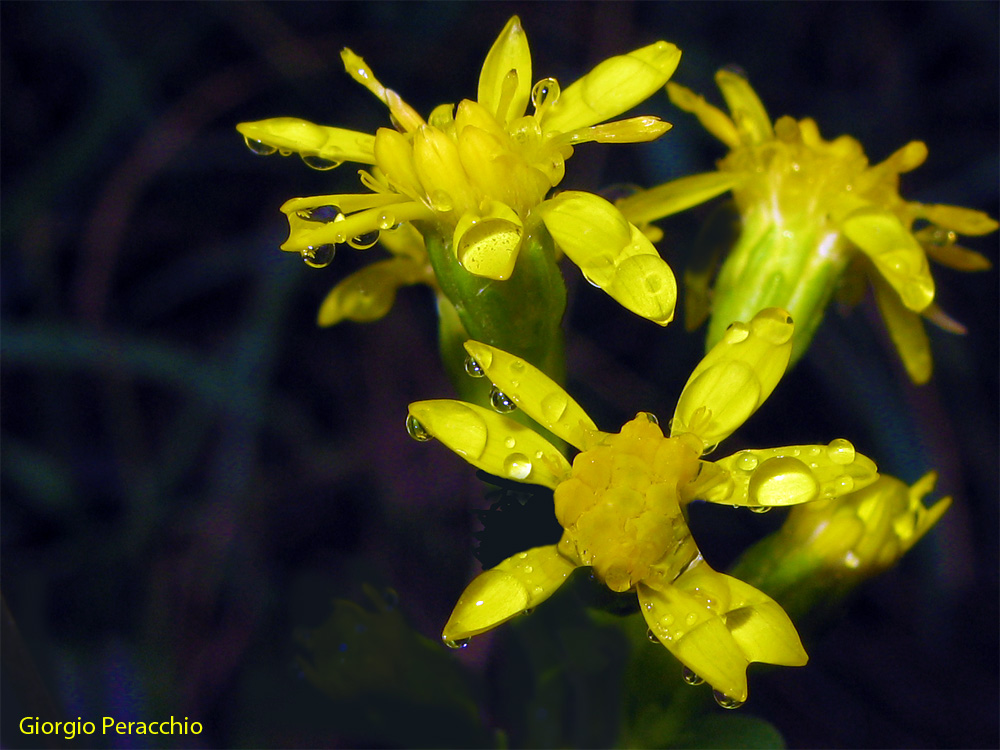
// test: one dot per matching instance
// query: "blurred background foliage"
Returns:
(199, 486)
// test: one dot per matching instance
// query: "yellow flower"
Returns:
(809, 208)
(621, 500)
(474, 174)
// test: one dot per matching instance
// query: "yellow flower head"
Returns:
(810, 207)
(475, 173)
(621, 501)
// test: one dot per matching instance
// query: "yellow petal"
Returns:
(906, 330)
(675, 196)
(368, 294)
(491, 441)
(437, 162)
(509, 52)
(394, 155)
(735, 377)
(792, 475)
(958, 219)
(747, 110)
(334, 145)
(894, 251)
(518, 583)
(713, 119)
(611, 253)
(614, 86)
(346, 202)
(633, 130)
(534, 392)
(403, 113)
(487, 244)
(939, 243)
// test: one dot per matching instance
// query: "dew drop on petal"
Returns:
(510, 442)
(314, 161)
(441, 201)
(736, 332)
(457, 643)
(386, 220)
(365, 240)
(416, 430)
(760, 508)
(726, 701)
(501, 402)
(782, 480)
(691, 678)
(746, 461)
(259, 147)
(554, 406)
(545, 93)
(651, 636)
(319, 256)
(284, 152)
(650, 417)
(840, 451)
(517, 466)
(473, 368)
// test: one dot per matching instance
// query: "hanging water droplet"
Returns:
(284, 152)
(416, 430)
(528, 611)
(319, 256)
(501, 401)
(517, 466)
(365, 240)
(457, 643)
(545, 93)
(691, 678)
(651, 636)
(472, 368)
(315, 161)
(760, 508)
(726, 701)
(840, 451)
(259, 147)
(746, 461)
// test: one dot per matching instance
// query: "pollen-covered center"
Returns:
(620, 508)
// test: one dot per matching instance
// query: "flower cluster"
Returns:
(813, 210)
(621, 500)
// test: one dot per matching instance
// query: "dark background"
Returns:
(192, 470)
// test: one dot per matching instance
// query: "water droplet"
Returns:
(315, 161)
(528, 611)
(416, 430)
(386, 220)
(845, 484)
(501, 401)
(319, 256)
(746, 461)
(365, 240)
(736, 332)
(554, 406)
(840, 451)
(259, 147)
(691, 618)
(760, 508)
(651, 636)
(510, 442)
(457, 643)
(691, 678)
(284, 152)
(545, 93)
(650, 417)
(472, 368)
(726, 701)
(441, 201)
(517, 466)
(782, 480)
(528, 568)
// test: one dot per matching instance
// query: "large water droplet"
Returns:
(441, 201)
(517, 466)
(545, 93)
(315, 161)
(554, 406)
(726, 701)
(259, 147)
(746, 461)
(457, 643)
(365, 240)
(319, 256)
(736, 332)
(386, 220)
(416, 430)
(840, 451)
(691, 678)
(501, 401)
(472, 368)
(782, 480)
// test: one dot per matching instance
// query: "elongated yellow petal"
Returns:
(611, 253)
(509, 52)
(896, 254)
(345, 202)
(520, 582)
(437, 162)
(746, 107)
(735, 377)
(358, 69)
(939, 243)
(534, 392)
(614, 86)
(713, 119)
(395, 158)
(633, 130)
(792, 475)
(491, 441)
(334, 145)
(906, 330)
(958, 219)
(675, 196)
(368, 294)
